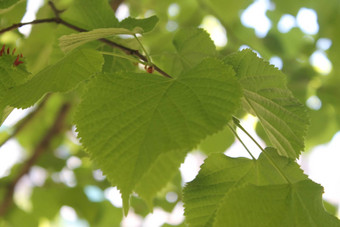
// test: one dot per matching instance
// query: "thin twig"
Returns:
(59, 20)
(44, 144)
(18, 25)
(21, 124)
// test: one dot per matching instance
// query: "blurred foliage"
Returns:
(41, 49)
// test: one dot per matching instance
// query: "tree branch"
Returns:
(18, 25)
(58, 20)
(42, 146)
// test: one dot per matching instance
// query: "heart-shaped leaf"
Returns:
(126, 120)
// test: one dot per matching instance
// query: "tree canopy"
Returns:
(116, 103)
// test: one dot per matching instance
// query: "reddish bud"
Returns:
(149, 69)
(17, 62)
(2, 49)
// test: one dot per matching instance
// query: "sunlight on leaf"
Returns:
(266, 96)
(120, 117)
(221, 174)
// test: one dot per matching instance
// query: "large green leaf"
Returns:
(298, 204)
(266, 96)
(60, 77)
(221, 174)
(126, 120)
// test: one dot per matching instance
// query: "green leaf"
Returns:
(221, 174)
(63, 76)
(127, 120)
(162, 171)
(297, 204)
(266, 96)
(191, 47)
(218, 142)
(10, 76)
(145, 25)
(91, 14)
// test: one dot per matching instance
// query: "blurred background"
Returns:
(302, 38)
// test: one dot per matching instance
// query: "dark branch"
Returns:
(56, 11)
(58, 20)
(18, 25)
(42, 146)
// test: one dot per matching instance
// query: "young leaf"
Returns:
(126, 120)
(10, 76)
(266, 96)
(60, 77)
(298, 204)
(221, 174)
(129, 26)
(70, 42)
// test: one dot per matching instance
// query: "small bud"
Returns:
(149, 69)
(17, 62)
(2, 49)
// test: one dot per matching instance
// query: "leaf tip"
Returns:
(126, 203)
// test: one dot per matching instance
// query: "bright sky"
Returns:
(322, 164)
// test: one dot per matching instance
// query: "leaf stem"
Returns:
(279, 170)
(144, 50)
(239, 139)
(237, 123)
